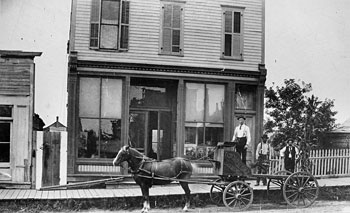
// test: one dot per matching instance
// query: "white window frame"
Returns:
(98, 22)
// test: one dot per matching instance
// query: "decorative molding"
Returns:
(167, 69)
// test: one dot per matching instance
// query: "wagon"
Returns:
(299, 189)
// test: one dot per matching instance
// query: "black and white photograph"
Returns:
(174, 106)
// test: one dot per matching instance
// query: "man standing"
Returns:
(241, 135)
(289, 153)
(262, 156)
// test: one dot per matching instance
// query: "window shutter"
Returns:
(171, 35)
(94, 23)
(176, 25)
(237, 36)
(166, 44)
(124, 31)
(233, 37)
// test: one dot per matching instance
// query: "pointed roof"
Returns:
(56, 126)
(344, 127)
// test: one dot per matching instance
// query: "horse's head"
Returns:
(123, 155)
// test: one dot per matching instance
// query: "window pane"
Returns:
(228, 44)
(176, 37)
(88, 143)
(176, 16)
(109, 36)
(141, 96)
(194, 133)
(228, 21)
(89, 97)
(245, 96)
(214, 133)
(5, 132)
(110, 12)
(215, 103)
(194, 102)
(137, 130)
(111, 100)
(237, 22)
(5, 111)
(4, 152)
(110, 137)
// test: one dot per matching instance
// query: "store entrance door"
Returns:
(150, 132)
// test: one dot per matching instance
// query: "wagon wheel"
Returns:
(216, 191)
(238, 195)
(276, 183)
(300, 189)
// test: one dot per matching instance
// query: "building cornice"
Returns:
(76, 64)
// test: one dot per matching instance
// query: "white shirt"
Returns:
(242, 132)
(262, 148)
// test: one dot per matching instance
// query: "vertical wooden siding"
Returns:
(202, 34)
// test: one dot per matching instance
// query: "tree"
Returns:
(294, 114)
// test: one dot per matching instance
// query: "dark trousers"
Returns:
(241, 150)
(262, 168)
(289, 164)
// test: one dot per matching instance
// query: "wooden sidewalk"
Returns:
(32, 194)
(134, 191)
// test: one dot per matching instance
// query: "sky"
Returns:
(307, 40)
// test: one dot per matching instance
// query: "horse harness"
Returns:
(154, 166)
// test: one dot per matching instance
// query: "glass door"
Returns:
(149, 132)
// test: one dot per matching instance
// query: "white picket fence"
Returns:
(325, 162)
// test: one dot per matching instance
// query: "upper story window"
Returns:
(172, 29)
(232, 33)
(109, 24)
(5, 132)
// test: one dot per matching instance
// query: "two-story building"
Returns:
(168, 77)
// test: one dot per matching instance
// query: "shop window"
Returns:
(232, 46)
(99, 117)
(204, 126)
(245, 97)
(5, 132)
(109, 24)
(172, 30)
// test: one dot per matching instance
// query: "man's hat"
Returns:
(240, 116)
(264, 136)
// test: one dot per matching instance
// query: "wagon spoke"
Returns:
(306, 182)
(296, 193)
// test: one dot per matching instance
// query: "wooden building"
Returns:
(339, 138)
(168, 77)
(16, 117)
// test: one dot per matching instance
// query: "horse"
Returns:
(147, 172)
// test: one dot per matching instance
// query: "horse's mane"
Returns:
(139, 154)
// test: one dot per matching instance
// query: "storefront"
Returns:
(161, 116)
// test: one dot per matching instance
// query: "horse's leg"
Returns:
(145, 195)
(187, 190)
